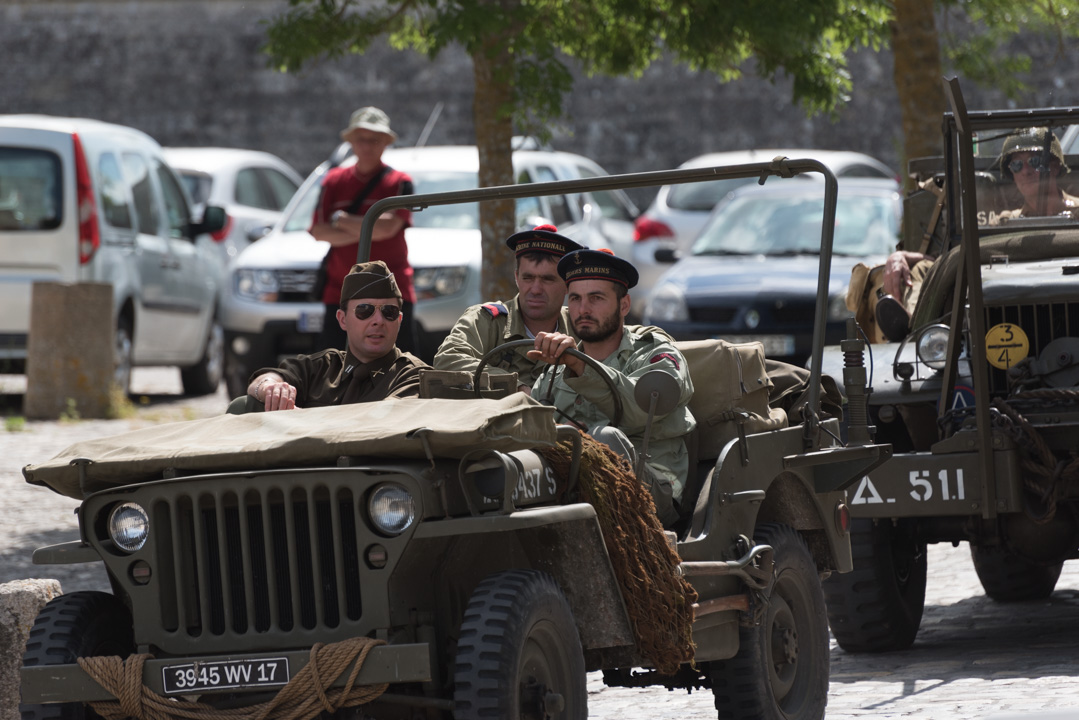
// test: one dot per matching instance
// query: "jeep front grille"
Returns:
(295, 285)
(257, 559)
(1042, 324)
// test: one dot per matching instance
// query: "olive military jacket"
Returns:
(483, 328)
(587, 399)
(337, 377)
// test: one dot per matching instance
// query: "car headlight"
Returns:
(256, 284)
(391, 508)
(837, 307)
(667, 304)
(436, 282)
(932, 346)
(129, 526)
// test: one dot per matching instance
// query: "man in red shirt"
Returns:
(339, 218)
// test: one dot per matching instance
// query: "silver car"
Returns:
(676, 216)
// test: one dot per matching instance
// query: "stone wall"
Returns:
(190, 72)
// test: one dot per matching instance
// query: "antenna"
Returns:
(430, 124)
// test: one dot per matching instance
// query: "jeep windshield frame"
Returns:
(778, 167)
(961, 128)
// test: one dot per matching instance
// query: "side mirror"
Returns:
(214, 218)
(666, 255)
(257, 231)
(659, 387)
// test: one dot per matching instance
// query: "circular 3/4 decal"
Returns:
(1005, 345)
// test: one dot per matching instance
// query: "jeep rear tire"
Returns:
(781, 669)
(80, 624)
(1007, 577)
(519, 655)
(877, 607)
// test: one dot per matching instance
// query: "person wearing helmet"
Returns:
(1034, 160)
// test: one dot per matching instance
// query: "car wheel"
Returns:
(1007, 577)
(204, 377)
(79, 624)
(121, 374)
(781, 669)
(877, 607)
(519, 655)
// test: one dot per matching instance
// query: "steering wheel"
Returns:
(596, 365)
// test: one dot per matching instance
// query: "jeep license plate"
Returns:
(310, 322)
(202, 676)
(774, 345)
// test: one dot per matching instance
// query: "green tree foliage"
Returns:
(521, 50)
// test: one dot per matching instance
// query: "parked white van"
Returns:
(88, 201)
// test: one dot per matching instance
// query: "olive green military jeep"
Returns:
(980, 401)
(425, 558)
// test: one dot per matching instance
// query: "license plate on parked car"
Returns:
(310, 322)
(774, 345)
(202, 676)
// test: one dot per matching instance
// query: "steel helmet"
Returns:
(1030, 140)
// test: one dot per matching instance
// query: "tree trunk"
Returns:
(918, 77)
(494, 137)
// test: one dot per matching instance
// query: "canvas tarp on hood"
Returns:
(267, 440)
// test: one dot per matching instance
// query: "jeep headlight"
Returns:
(932, 346)
(436, 282)
(256, 284)
(667, 304)
(391, 508)
(129, 526)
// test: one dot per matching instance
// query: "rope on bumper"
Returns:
(306, 695)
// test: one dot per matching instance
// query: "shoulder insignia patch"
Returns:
(666, 356)
(494, 309)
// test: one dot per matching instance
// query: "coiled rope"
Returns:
(1047, 475)
(306, 695)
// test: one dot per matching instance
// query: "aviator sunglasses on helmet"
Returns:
(1016, 166)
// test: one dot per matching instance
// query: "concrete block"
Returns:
(69, 354)
(20, 602)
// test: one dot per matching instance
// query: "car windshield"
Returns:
(198, 185)
(703, 196)
(769, 224)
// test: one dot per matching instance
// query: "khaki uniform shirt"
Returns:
(483, 328)
(336, 377)
(587, 399)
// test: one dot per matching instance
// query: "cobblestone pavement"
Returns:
(974, 658)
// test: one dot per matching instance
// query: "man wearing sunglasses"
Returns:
(537, 307)
(371, 368)
(1034, 160)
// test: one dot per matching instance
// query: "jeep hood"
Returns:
(298, 438)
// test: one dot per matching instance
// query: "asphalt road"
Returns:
(973, 659)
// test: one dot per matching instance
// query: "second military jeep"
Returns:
(980, 401)
(426, 557)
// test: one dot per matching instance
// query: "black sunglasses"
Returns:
(1016, 166)
(366, 310)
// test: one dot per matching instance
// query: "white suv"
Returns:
(87, 201)
(268, 313)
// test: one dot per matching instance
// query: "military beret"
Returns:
(597, 265)
(542, 238)
(369, 280)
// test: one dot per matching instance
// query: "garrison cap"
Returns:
(369, 280)
(597, 265)
(541, 239)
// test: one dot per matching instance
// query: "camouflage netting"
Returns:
(658, 599)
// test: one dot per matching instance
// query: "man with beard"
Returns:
(536, 308)
(598, 284)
